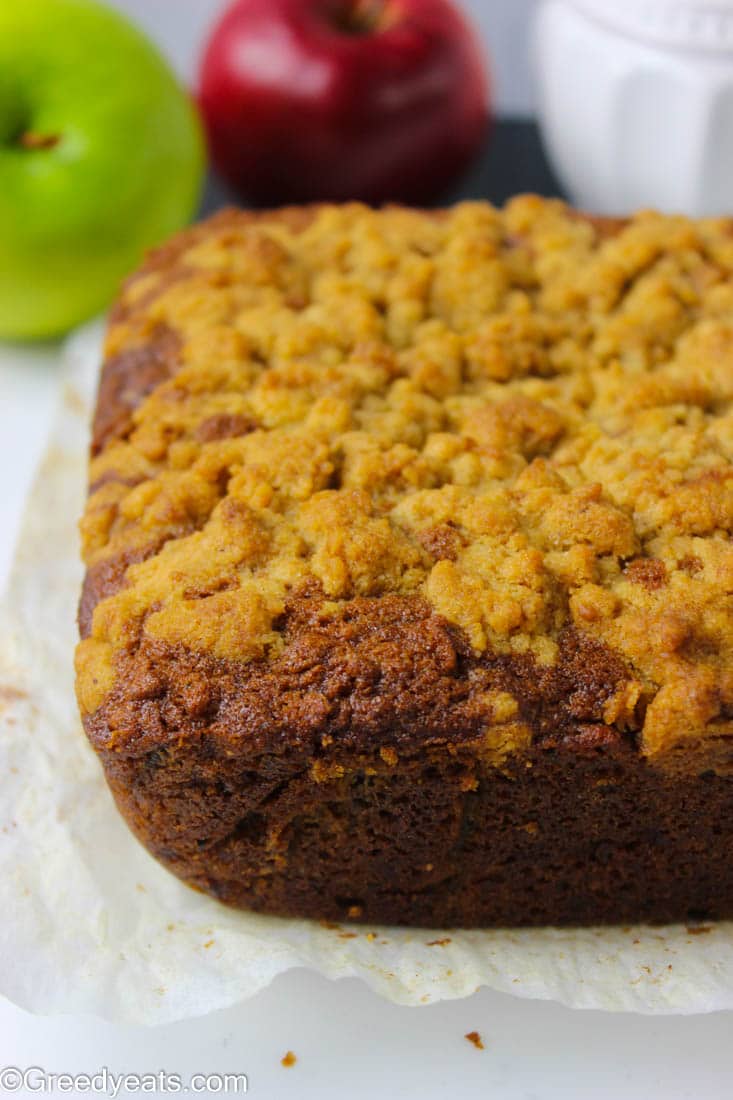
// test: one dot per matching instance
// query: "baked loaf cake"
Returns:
(410, 577)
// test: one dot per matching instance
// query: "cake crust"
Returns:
(409, 575)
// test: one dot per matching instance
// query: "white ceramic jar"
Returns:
(636, 102)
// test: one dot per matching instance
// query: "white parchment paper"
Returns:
(91, 923)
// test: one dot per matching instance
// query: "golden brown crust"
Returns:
(385, 672)
(126, 381)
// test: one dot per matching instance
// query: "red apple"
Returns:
(343, 99)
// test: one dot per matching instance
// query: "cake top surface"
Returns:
(521, 416)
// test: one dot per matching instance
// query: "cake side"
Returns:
(395, 520)
(357, 779)
(581, 832)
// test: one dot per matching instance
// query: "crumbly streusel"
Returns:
(518, 416)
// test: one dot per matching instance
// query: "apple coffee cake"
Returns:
(409, 572)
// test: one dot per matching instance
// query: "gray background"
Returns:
(179, 26)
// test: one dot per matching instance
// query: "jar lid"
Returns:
(683, 24)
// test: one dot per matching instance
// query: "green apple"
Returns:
(101, 156)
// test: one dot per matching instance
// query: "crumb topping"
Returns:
(516, 415)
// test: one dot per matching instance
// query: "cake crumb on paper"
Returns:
(475, 1038)
(288, 1059)
(10, 694)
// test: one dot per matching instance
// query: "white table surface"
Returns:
(348, 1042)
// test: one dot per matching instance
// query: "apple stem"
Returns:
(32, 140)
(361, 17)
